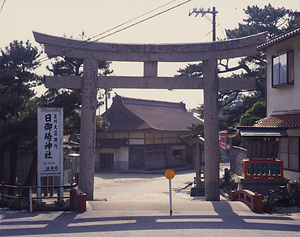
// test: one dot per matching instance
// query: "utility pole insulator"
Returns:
(203, 12)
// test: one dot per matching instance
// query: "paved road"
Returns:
(138, 205)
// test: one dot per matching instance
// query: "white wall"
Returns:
(122, 158)
(284, 98)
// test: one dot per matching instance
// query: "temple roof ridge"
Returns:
(146, 102)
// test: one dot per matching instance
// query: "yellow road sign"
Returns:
(169, 174)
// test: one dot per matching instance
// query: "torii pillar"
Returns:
(211, 130)
(88, 127)
(150, 55)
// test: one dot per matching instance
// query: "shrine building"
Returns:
(144, 134)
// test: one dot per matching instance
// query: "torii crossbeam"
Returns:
(150, 55)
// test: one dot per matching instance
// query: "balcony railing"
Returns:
(263, 169)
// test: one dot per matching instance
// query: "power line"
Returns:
(210, 31)
(203, 13)
(219, 24)
(222, 29)
(87, 41)
(2, 5)
(131, 20)
(141, 21)
(208, 18)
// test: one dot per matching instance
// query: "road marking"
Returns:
(92, 223)
(191, 220)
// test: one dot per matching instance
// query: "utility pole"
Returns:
(203, 12)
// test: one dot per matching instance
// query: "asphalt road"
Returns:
(137, 204)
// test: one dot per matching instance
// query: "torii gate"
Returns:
(150, 55)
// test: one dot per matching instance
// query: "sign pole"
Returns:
(39, 172)
(61, 154)
(170, 192)
(170, 174)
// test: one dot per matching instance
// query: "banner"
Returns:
(50, 141)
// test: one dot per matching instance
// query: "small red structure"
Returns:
(263, 168)
(253, 200)
(225, 138)
(78, 200)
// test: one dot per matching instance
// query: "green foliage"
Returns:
(17, 102)
(66, 66)
(17, 61)
(236, 140)
(191, 70)
(273, 20)
(101, 124)
(257, 112)
(265, 205)
(228, 184)
(195, 131)
(70, 100)
(18, 127)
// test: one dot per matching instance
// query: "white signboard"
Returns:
(50, 141)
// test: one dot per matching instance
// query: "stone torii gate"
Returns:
(150, 55)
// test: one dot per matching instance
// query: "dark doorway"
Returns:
(106, 161)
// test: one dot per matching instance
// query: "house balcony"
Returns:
(262, 168)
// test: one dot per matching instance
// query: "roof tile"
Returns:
(280, 120)
(279, 38)
(157, 115)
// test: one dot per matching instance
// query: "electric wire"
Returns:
(211, 21)
(134, 24)
(222, 29)
(88, 41)
(210, 31)
(208, 18)
(2, 5)
(131, 20)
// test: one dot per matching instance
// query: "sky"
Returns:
(18, 18)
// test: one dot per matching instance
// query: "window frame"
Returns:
(287, 76)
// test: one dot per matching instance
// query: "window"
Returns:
(177, 154)
(283, 69)
(289, 153)
(155, 152)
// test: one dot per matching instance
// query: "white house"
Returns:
(282, 123)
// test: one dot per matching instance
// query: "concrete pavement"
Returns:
(138, 205)
(208, 219)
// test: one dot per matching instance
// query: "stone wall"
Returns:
(237, 154)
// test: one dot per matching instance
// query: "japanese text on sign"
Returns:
(50, 143)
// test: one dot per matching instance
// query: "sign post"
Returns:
(50, 146)
(170, 174)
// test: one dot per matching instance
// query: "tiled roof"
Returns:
(197, 140)
(131, 101)
(247, 131)
(279, 38)
(149, 114)
(280, 120)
